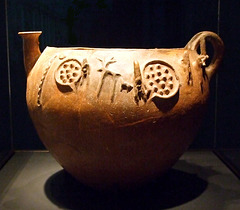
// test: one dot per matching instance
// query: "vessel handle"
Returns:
(199, 41)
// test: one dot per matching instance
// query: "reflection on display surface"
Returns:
(173, 189)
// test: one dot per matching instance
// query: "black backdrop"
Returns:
(135, 24)
(5, 124)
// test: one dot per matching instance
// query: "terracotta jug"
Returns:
(118, 117)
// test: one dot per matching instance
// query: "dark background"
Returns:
(5, 124)
(122, 23)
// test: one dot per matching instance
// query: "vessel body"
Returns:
(119, 117)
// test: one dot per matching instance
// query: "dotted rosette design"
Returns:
(68, 73)
(160, 80)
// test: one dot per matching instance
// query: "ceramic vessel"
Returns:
(118, 117)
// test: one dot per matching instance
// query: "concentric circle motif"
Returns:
(160, 79)
(68, 73)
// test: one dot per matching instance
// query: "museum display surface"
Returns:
(199, 180)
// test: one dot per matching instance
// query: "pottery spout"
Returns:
(31, 51)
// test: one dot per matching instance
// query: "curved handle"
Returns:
(200, 40)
